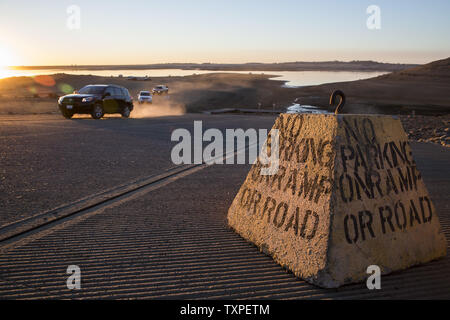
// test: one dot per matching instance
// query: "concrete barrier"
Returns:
(347, 195)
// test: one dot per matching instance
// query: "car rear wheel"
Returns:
(126, 112)
(97, 111)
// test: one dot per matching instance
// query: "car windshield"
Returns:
(145, 93)
(92, 90)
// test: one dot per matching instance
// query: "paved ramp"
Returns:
(170, 240)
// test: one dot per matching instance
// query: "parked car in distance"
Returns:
(161, 89)
(97, 100)
(145, 97)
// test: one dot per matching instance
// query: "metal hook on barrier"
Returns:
(334, 95)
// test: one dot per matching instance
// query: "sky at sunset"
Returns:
(231, 31)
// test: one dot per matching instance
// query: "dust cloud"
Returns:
(157, 109)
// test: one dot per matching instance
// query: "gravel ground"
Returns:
(435, 129)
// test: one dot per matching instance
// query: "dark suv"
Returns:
(97, 100)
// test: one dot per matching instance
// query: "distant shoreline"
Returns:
(419, 90)
(285, 66)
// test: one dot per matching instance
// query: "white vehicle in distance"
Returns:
(161, 89)
(145, 97)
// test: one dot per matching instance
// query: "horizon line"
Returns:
(207, 63)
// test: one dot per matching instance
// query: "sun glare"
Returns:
(6, 58)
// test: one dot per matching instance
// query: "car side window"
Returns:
(125, 92)
(110, 91)
(117, 92)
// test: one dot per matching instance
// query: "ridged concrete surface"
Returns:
(173, 243)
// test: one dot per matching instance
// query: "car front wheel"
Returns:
(97, 111)
(67, 114)
(126, 112)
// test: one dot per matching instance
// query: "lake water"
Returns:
(293, 78)
(301, 108)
